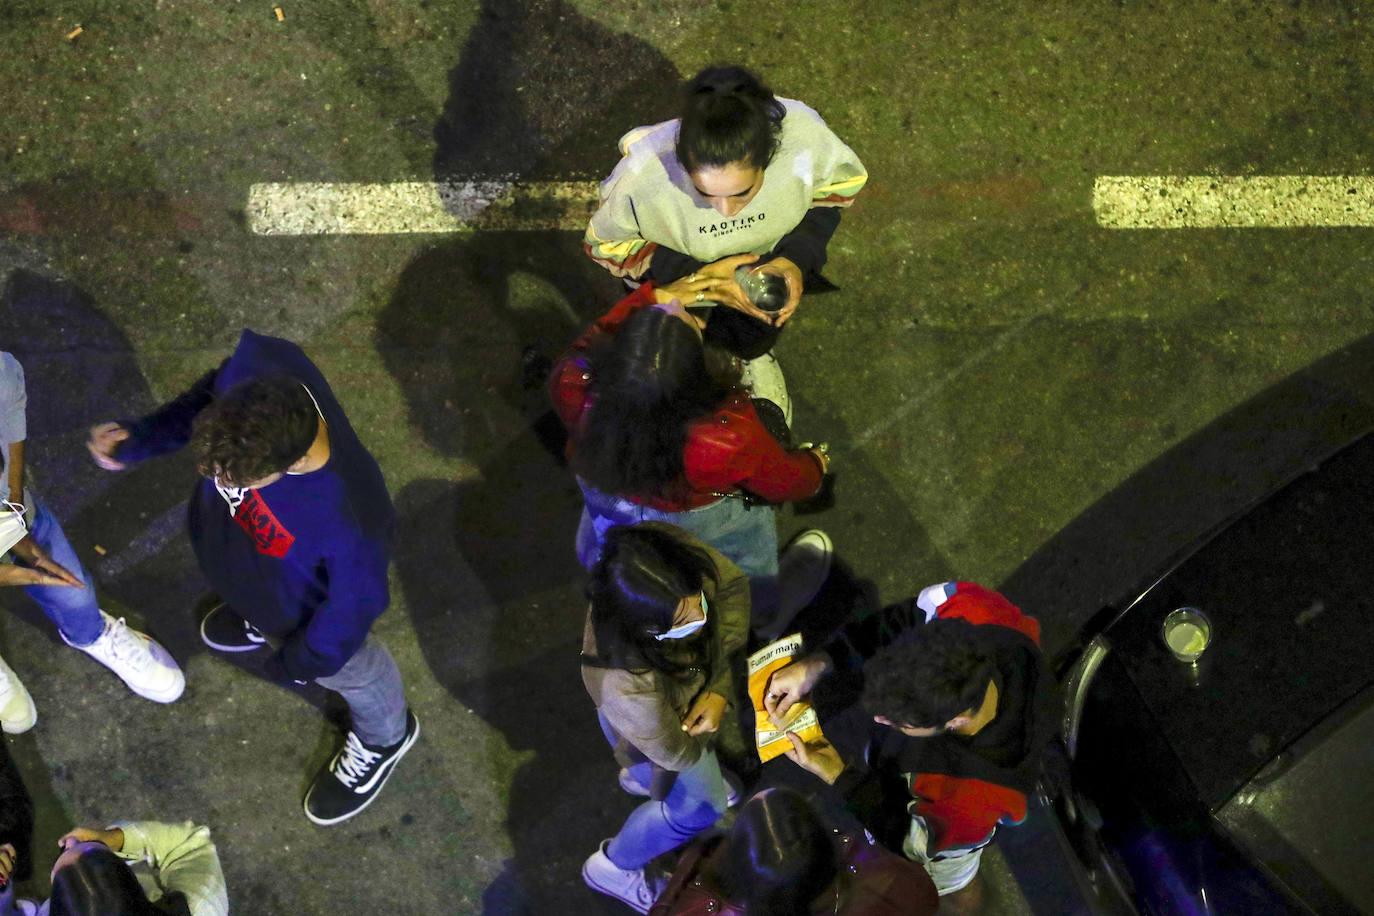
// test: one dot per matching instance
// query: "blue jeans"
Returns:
(74, 610)
(370, 684)
(7, 907)
(747, 536)
(696, 801)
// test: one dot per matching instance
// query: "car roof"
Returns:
(1306, 816)
(1287, 588)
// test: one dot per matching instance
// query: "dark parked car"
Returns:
(1243, 783)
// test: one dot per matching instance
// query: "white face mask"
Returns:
(687, 629)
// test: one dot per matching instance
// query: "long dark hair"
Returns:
(728, 115)
(778, 858)
(648, 382)
(100, 883)
(634, 590)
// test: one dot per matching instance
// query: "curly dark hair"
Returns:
(649, 382)
(728, 115)
(257, 428)
(930, 676)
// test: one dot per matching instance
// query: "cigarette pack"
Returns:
(771, 738)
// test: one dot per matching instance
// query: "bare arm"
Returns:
(40, 569)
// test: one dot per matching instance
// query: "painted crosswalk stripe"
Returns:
(346, 208)
(1232, 201)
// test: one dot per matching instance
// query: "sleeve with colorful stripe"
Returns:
(613, 237)
(840, 174)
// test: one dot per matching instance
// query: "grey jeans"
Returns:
(370, 684)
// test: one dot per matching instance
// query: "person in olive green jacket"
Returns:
(666, 614)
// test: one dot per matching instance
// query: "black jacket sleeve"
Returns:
(168, 428)
(667, 265)
(862, 638)
(805, 245)
(878, 800)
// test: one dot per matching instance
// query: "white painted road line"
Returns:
(1232, 201)
(328, 208)
(150, 540)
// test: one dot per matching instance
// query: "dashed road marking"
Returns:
(1232, 201)
(330, 208)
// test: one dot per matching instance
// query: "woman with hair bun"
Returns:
(666, 616)
(740, 172)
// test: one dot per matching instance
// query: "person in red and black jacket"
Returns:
(660, 429)
(959, 707)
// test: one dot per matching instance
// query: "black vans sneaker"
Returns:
(349, 782)
(226, 631)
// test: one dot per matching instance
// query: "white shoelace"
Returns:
(354, 761)
(127, 646)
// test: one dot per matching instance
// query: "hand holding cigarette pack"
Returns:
(771, 738)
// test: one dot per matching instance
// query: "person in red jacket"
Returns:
(962, 707)
(660, 429)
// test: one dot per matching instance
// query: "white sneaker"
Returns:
(17, 712)
(733, 787)
(630, 886)
(803, 567)
(139, 660)
(763, 378)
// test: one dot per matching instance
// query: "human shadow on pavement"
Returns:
(1111, 551)
(469, 336)
(471, 329)
(485, 560)
(509, 653)
(543, 92)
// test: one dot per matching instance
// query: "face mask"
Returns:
(687, 629)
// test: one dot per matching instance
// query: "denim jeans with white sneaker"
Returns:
(695, 802)
(74, 610)
(370, 684)
(747, 535)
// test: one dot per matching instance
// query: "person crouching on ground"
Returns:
(666, 614)
(137, 869)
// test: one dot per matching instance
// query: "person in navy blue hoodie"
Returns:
(292, 524)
